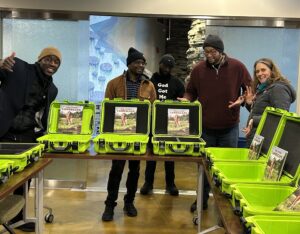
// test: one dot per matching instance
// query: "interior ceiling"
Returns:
(220, 21)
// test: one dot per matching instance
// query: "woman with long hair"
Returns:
(270, 88)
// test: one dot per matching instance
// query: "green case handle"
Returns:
(60, 148)
(119, 149)
(179, 150)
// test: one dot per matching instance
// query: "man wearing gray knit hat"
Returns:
(217, 82)
(214, 41)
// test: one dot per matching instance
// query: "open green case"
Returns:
(125, 127)
(261, 199)
(286, 137)
(21, 154)
(177, 128)
(264, 224)
(70, 127)
(268, 124)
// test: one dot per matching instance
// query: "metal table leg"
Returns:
(39, 185)
(200, 201)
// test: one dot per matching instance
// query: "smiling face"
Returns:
(137, 67)
(262, 72)
(49, 64)
(212, 55)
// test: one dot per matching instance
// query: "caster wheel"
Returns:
(49, 218)
(195, 220)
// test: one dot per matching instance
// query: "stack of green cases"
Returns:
(21, 154)
(262, 224)
(253, 199)
(166, 144)
(109, 141)
(6, 169)
(56, 141)
(266, 128)
(286, 137)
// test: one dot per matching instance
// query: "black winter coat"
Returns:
(14, 89)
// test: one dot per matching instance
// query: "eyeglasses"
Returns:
(142, 63)
(212, 52)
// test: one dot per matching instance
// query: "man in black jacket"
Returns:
(26, 91)
(167, 87)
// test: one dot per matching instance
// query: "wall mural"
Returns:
(105, 58)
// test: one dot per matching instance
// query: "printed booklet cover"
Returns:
(70, 119)
(178, 122)
(275, 164)
(255, 147)
(291, 203)
(125, 119)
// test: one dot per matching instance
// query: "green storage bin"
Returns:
(21, 153)
(263, 224)
(65, 134)
(268, 124)
(258, 199)
(286, 137)
(133, 137)
(6, 169)
(185, 140)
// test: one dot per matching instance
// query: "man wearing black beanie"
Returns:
(131, 84)
(134, 55)
(217, 83)
(167, 87)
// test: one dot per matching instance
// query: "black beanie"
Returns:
(167, 60)
(214, 41)
(133, 55)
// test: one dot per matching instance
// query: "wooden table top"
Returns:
(146, 157)
(20, 178)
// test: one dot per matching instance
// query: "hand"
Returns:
(183, 99)
(8, 62)
(248, 129)
(237, 102)
(249, 95)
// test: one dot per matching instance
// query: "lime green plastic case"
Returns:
(286, 137)
(55, 141)
(109, 141)
(260, 199)
(166, 144)
(263, 224)
(268, 124)
(6, 169)
(21, 154)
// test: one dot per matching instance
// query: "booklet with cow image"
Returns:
(178, 122)
(275, 164)
(125, 119)
(70, 119)
(255, 147)
(291, 203)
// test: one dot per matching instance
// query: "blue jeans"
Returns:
(227, 137)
